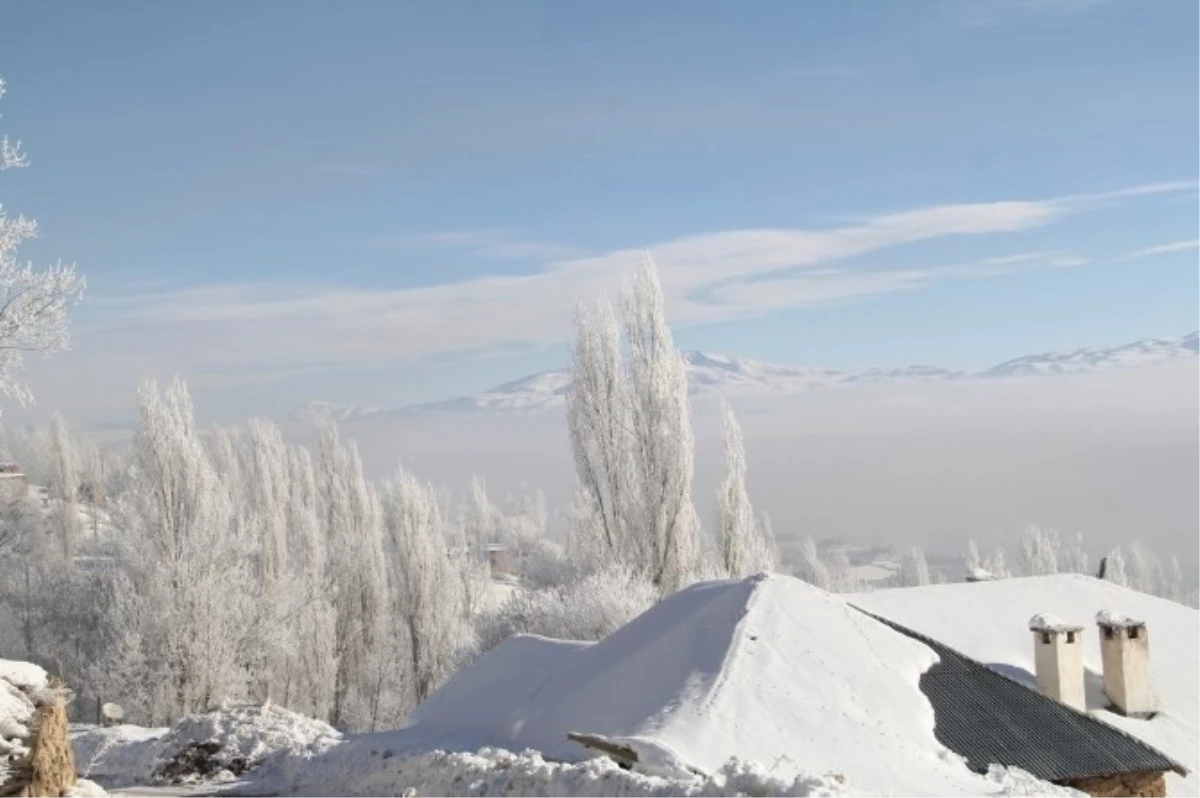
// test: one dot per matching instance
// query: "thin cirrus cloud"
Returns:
(1161, 249)
(707, 277)
(818, 287)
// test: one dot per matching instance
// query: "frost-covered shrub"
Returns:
(542, 564)
(588, 608)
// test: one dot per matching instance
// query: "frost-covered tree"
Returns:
(426, 598)
(972, 560)
(1114, 567)
(598, 420)
(841, 578)
(314, 658)
(65, 486)
(34, 303)
(479, 516)
(193, 615)
(810, 567)
(914, 570)
(1073, 557)
(744, 549)
(587, 606)
(1173, 587)
(261, 484)
(662, 440)
(996, 565)
(355, 560)
(631, 436)
(267, 481)
(1037, 552)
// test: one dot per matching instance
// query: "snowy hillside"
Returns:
(715, 374)
(986, 621)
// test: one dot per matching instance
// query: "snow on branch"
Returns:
(33, 303)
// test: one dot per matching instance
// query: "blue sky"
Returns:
(383, 203)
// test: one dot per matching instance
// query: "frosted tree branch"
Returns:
(34, 303)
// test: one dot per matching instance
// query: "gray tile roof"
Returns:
(989, 718)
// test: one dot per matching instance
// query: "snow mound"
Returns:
(768, 670)
(211, 746)
(116, 755)
(236, 740)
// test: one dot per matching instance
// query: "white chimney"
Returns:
(1125, 648)
(1058, 658)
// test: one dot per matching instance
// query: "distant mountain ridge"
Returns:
(710, 373)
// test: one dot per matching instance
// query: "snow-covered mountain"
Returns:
(708, 373)
(715, 374)
(1139, 353)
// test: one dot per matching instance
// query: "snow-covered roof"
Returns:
(984, 621)
(767, 669)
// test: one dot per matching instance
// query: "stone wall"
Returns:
(1145, 785)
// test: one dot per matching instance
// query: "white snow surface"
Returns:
(984, 621)
(116, 755)
(20, 683)
(361, 768)
(85, 788)
(767, 670)
(127, 755)
(1048, 622)
(1114, 618)
(23, 674)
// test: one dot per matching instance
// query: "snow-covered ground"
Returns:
(987, 621)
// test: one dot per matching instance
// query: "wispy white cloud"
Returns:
(822, 286)
(1161, 249)
(248, 332)
(496, 309)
